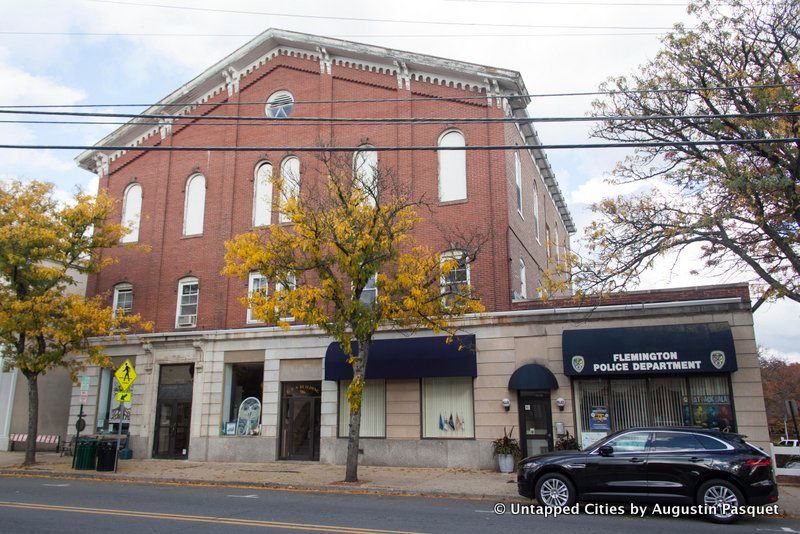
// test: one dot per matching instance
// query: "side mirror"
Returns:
(606, 450)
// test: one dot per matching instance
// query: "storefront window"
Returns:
(243, 380)
(609, 405)
(109, 410)
(373, 409)
(447, 408)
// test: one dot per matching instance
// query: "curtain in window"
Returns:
(628, 403)
(447, 408)
(711, 402)
(589, 393)
(373, 409)
(667, 397)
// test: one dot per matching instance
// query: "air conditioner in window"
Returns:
(187, 320)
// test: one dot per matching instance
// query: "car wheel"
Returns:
(722, 496)
(554, 489)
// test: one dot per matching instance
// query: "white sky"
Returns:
(67, 69)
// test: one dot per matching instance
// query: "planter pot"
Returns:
(506, 463)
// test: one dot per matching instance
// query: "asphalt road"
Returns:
(47, 505)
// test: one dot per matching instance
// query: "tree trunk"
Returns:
(359, 370)
(33, 418)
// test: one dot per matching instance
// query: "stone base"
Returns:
(233, 449)
(412, 453)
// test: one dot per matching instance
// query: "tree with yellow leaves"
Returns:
(44, 244)
(349, 265)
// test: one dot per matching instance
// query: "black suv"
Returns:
(680, 465)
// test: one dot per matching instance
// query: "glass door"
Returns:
(173, 411)
(300, 415)
(535, 423)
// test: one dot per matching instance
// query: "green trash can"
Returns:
(85, 455)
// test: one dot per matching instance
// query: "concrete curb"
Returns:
(326, 488)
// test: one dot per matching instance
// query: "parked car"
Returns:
(789, 443)
(675, 465)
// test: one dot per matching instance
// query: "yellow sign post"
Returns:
(126, 375)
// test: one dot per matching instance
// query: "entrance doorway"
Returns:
(300, 414)
(173, 411)
(535, 422)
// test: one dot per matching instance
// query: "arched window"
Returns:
(523, 280)
(290, 176)
(536, 210)
(518, 179)
(123, 298)
(452, 167)
(132, 212)
(188, 298)
(279, 104)
(365, 171)
(195, 205)
(262, 194)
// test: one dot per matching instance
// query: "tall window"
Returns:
(111, 412)
(290, 176)
(188, 295)
(548, 241)
(373, 409)
(447, 407)
(291, 284)
(132, 212)
(558, 245)
(452, 167)
(262, 194)
(279, 105)
(365, 170)
(455, 272)
(518, 179)
(195, 205)
(535, 209)
(242, 380)
(257, 283)
(123, 299)
(523, 282)
(369, 295)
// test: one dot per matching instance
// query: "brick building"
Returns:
(215, 385)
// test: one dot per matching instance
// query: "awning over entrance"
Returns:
(416, 357)
(667, 349)
(533, 376)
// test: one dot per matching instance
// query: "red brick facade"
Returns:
(490, 204)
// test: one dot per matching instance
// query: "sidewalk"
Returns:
(463, 483)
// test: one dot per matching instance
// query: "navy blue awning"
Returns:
(414, 357)
(533, 376)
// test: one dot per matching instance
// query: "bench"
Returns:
(47, 439)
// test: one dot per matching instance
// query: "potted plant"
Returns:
(567, 442)
(506, 449)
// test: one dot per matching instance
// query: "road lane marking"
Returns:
(56, 485)
(201, 519)
(244, 496)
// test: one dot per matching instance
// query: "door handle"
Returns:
(695, 459)
(636, 460)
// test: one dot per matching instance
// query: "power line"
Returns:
(367, 19)
(484, 96)
(635, 144)
(409, 120)
(361, 36)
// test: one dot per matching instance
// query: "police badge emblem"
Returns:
(577, 363)
(717, 358)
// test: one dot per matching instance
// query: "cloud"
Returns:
(21, 87)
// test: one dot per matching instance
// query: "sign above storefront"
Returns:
(668, 349)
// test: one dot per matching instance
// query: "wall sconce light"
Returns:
(506, 404)
(560, 402)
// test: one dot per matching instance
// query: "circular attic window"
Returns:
(279, 105)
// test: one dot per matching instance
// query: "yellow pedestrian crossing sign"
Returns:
(124, 396)
(126, 375)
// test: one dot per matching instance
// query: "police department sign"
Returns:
(668, 349)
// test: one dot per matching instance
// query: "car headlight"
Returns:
(530, 467)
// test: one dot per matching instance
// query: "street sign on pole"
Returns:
(124, 396)
(126, 375)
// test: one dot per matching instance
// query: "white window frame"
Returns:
(454, 255)
(120, 288)
(466, 433)
(459, 183)
(378, 390)
(373, 281)
(278, 112)
(291, 188)
(365, 162)
(536, 210)
(251, 283)
(181, 283)
(262, 200)
(130, 219)
(191, 182)
(518, 180)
